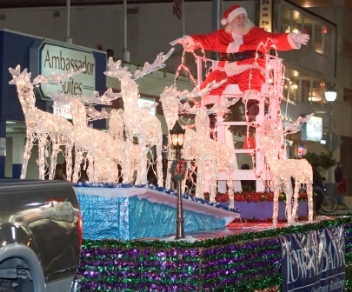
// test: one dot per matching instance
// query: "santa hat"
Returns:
(232, 12)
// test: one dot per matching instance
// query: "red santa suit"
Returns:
(238, 72)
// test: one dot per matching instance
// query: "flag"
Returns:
(176, 9)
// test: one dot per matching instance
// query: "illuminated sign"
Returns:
(265, 15)
(58, 58)
(312, 130)
(62, 110)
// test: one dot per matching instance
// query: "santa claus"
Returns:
(242, 47)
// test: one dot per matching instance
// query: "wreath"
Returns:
(178, 169)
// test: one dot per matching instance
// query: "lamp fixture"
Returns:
(330, 93)
(177, 135)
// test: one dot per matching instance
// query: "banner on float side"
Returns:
(314, 261)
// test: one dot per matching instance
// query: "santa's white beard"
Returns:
(241, 28)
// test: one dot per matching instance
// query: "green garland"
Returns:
(178, 169)
(236, 238)
(254, 254)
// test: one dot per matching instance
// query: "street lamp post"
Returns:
(177, 134)
(330, 96)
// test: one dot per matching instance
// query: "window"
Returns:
(301, 88)
(291, 85)
(322, 33)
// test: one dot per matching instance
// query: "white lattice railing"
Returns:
(271, 91)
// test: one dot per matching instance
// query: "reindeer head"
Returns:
(170, 101)
(129, 91)
(202, 121)
(129, 88)
(270, 127)
(24, 86)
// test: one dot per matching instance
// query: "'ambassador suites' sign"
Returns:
(48, 58)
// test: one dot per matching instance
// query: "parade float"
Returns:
(129, 224)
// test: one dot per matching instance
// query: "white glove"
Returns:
(186, 41)
(300, 38)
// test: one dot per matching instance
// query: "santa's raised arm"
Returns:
(241, 46)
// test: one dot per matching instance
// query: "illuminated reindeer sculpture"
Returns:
(271, 136)
(103, 152)
(43, 127)
(116, 130)
(209, 155)
(139, 123)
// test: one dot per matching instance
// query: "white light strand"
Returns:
(209, 156)
(271, 137)
(139, 123)
(104, 151)
(42, 126)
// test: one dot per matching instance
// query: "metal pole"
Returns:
(183, 16)
(330, 139)
(68, 22)
(125, 52)
(180, 231)
(216, 10)
(125, 24)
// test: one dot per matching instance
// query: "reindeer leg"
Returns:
(53, 158)
(213, 180)
(288, 192)
(230, 186)
(27, 153)
(41, 156)
(168, 174)
(200, 180)
(142, 168)
(78, 157)
(184, 187)
(68, 159)
(295, 199)
(310, 201)
(159, 164)
(126, 170)
(91, 170)
(276, 202)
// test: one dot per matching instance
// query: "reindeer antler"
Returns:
(296, 126)
(158, 64)
(56, 78)
(197, 92)
(95, 98)
(106, 98)
(93, 114)
(17, 76)
(116, 71)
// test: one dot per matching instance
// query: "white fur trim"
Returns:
(235, 13)
(223, 21)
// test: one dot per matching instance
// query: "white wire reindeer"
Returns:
(271, 135)
(116, 130)
(209, 155)
(43, 127)
(222, 153)
(139, 123)
(102, 151)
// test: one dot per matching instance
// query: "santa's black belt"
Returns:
(233, 57)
